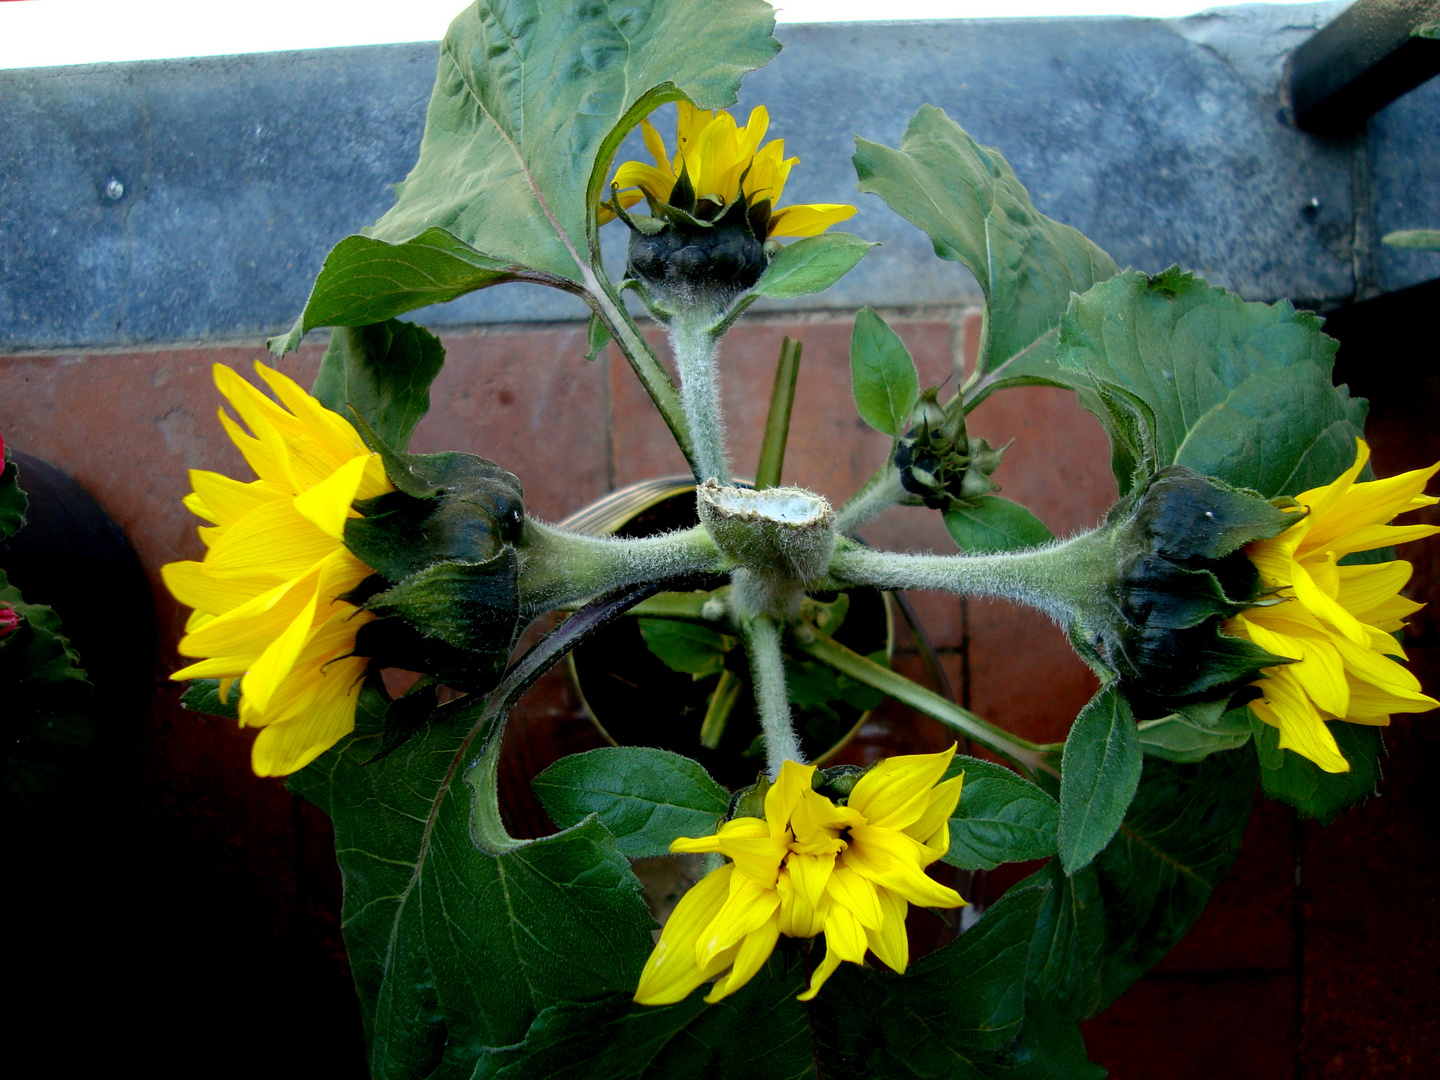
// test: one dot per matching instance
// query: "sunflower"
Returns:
(721, 161)
(809, 866)
(1337, 621)
(267, 593)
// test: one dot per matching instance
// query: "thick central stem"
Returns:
(772, 699)
(695, 347)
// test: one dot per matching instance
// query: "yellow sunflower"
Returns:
(266, 594)
(1337, 621)
(810, 866)
(722, 160)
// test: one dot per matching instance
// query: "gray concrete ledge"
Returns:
(176, 201)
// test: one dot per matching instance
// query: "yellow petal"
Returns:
(844, 940)
(890, 943)
(1321, 604)
(933, 826)
(748, 907)
(896, 792)
(897, 862)
(286, 747)
(327, 505)
(195, 586)
(810, 874)
(1302, 730)
(751, 957)
(784, 794)
(857, 895)
(671, 971)
(811, 220)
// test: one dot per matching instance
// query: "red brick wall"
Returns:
(1315, 959)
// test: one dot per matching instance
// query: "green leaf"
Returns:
(645, 797)
(597, 336)
(976, 212)
(1001, 818)
(811, 265)
(383, 372)
(1182, 373)
(203, 696)
(759, 1033)
(364, 281)
(1099, 771)
(995, 524)
(531, 102)
(1415, 239)
(13, 502)
(686, 647)
(1179, 839)
(1180, 738)
(38, 657)
(1068, 951)
(960, 1013)
(882, 374)
(1315, 793)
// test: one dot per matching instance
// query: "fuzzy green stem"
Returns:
(882, 490)
(1061, 579)
(772, 699)
(635, 349)
(826, 649)
(559, 568)
(695, 345)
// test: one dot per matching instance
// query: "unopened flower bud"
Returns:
(939, 462)
(9, 621)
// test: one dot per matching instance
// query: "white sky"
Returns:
(41, 33)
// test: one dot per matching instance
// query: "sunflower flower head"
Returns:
(846, 868)
(713, 204)
(267, 595)
(1336, 621)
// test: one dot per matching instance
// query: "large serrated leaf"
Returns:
(1183, 373)
(882, 374)
(644, 796)
(1099, 772)
(1001, 817)
(383, 372)
(976, 212)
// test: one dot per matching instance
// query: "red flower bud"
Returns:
(9, 621)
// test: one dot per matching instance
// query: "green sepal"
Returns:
(1315, 793)
(597, 336)
(645, 797)
(13, 502)
(459, 603)
(382, 372)
(1001, 817)
(1185, 516)
(203, 696)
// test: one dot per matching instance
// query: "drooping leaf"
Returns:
(811, 265)
(531, 102)
(1099, 772)
(958, 1014)
(1068, 951)
(1183, 373)
(759, 1033)
(687, 647)
(976, 212)
(383, 371)
(1001, 818)
(995, 524)
(882, 374)
(1181, 738)
(1293, 779)
(645, 797)
(13, 502)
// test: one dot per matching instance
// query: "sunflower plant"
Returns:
(1239, 603)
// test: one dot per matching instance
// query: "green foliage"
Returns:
(811, 265)
(645, 797)
(531, 102)
(1415, 239)
(991, 523)
(203, 696)
(960, 1013)
(1099, 773)
(1001, 818)
(382, 372)
(1102, 928)
(1183, 373)
(1180, 738)
(882, 374)
(616, 1039)
(1315, 793)
(47, 707)
(597, 336)
(976, 212)
(13, 502)
(687, 647)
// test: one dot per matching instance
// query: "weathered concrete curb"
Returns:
(173, 201)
